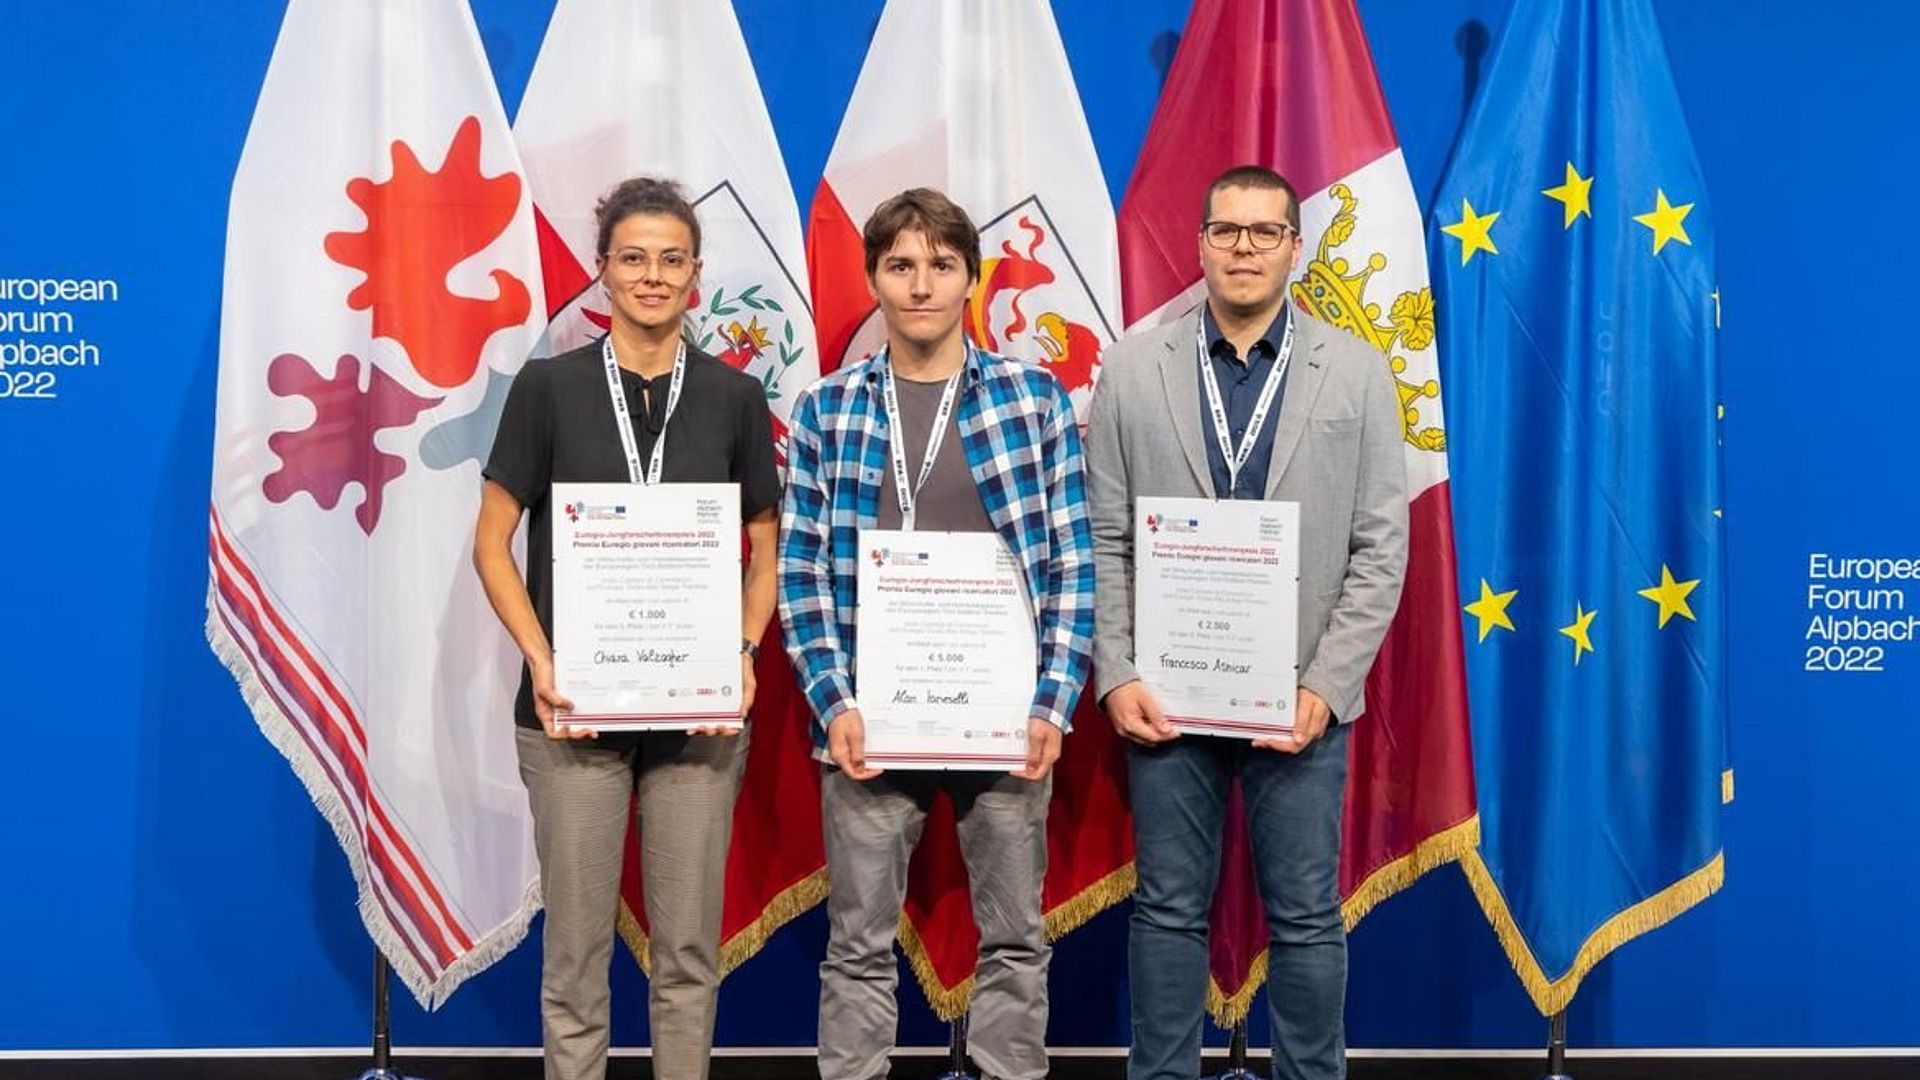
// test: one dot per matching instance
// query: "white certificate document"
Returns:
(1216, 601)
(947, 659)
(646, 605)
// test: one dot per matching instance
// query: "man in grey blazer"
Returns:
(1329, 439)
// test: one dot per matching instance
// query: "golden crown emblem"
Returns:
(1331, 293)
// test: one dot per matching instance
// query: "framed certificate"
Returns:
(646, 604)
(1216, 602)
(947, 659)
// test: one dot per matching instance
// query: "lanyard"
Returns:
(896, 437)
(624, 420)
(1237, 459)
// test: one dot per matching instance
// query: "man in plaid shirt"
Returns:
(1020, 474)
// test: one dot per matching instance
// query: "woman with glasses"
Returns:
(693, 419)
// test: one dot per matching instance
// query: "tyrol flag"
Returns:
(1305, 101)
(381, 288)
(625, 88)
(1580, 322)
(995, 123)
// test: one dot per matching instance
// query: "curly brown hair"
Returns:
(643, 195)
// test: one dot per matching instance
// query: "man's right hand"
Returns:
(550, 706)
(847, 745)
(1136, 716)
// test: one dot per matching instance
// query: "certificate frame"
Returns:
(646, 605)
(947, 653)
(1216, 613)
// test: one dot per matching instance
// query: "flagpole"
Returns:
(1237, 1054)
(957, 1050)
(1557, 1047)
(382, 1030)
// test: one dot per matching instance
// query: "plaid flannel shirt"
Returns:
(1022, 445)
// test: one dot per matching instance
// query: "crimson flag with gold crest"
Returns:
(1305, 101)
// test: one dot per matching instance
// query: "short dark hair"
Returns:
(924, 210)
(1255, 178)
(643, 195)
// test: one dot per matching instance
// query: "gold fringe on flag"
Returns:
(1062, 919)
(948, 1003)
(1075, 911)
(786, 905)
(1451, 844)
(1553, 995)
(1230, 1010)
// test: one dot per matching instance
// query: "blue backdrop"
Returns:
(167, 883)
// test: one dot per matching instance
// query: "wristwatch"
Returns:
(750, 647)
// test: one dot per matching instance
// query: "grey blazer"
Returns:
(1337, 451)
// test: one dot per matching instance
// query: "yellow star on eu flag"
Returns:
(1665, 221)
(1671, 595)
(1575, 196)
(1474, 231)
(1581, 631)
(1491, 609)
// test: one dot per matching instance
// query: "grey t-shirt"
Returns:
(950, 501)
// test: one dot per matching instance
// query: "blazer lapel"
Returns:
(1180, 377)
(1303, 386)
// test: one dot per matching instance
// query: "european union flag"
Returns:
(1573, 244)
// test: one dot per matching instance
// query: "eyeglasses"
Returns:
(632, 263)
(1264, 235)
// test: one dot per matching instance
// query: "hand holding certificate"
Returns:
(947, 661)
(1215, 620)
(646, 605)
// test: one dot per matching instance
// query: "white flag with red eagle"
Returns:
(992, 119)
(382, 286)
(977, 100)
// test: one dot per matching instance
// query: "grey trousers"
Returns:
(580, 792)
(871, 831)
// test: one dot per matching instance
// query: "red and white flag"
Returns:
(991, 117)
(994, 121)
(1302, 98)
(666, 89)
(381, 288)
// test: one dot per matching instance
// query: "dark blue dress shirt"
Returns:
(1240, 382)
